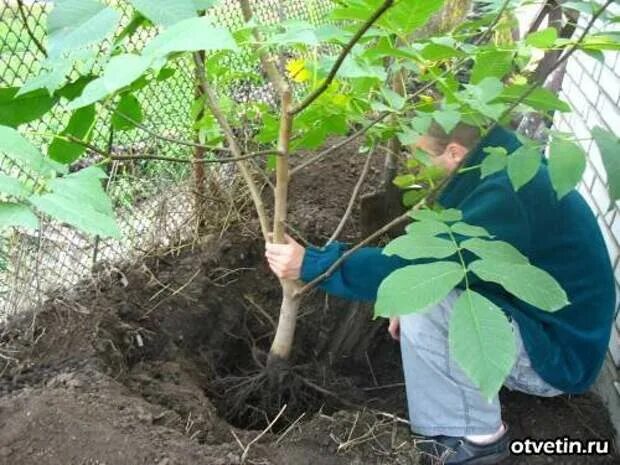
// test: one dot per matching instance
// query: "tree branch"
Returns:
(343, 54)
(485, 35)
(94, 148)
(353, 198)
(30, 32)
(244, 168)
(267, 61)
(172, 140)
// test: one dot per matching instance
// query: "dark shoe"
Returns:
(448, 450)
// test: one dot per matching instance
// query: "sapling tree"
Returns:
(337, 79)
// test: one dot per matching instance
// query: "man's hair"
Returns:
(463, 134)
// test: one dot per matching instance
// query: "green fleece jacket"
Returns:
(567, 348)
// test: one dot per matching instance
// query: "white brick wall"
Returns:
(593, 90)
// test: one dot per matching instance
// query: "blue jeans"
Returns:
(440, 397)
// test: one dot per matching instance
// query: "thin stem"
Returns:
(460, 255)
(244, 168)
(343, 55)
(94, 148)
(129, 119)
(266, 59)
(485, 35)
(30, 32)
(353, 198)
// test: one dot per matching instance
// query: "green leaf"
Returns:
(482, 342)
(528, 283)
(190, 35)
(449, 215)
(51, 77)
(165, 12)
(523, 164)
(17, 214)
(447, 119)
(11, 186)
(120, 72)
(465, 229)
(21, 151)
(79, 199)
(416, 287)
(567, 162)
(542, 39)
(79, 126)
(609, 146)
(494, 162)
(296, 32)
(540, 99)
(130, 107)
(394, 100)
(491, 63)
(15, 111)
(412, 248)
(498, 251)
(435, 52)
(401, 19)
(427, 228)
(486, 90)
(75, 24)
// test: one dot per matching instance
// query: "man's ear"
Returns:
(456, 151)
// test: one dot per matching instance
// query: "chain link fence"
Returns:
(154, 200)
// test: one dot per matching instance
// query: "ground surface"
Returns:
(144, 366)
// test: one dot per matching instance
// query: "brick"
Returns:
(610, 113)
(588, 176)
(600, 195)
(594, 155)
(610, 82)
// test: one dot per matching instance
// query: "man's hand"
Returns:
(394, 328)
(285, 259)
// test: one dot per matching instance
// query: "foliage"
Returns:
(464, 75)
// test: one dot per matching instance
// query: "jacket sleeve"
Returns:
(359, 276)
(493, 205)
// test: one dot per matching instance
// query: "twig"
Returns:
(385, 386)
(372, 371)
(354, 195)
(485, 35)
(343, 54)
(177, 291)
(266, 59)
(244, 168)
(30, 32)
(194, 160)
(292, 425)
(257, 438)
(340, 144)
(149, 131)
(76, 140)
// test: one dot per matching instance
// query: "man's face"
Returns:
(448, 158)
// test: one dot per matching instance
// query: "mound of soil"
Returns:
(160, 362)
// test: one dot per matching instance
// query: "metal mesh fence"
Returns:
(154, 200)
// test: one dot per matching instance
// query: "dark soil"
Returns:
(145, 364)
